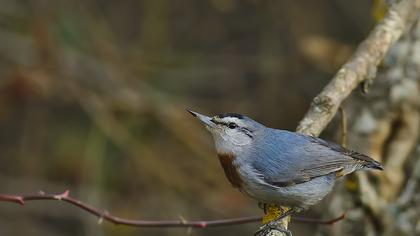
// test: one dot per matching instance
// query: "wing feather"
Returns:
(286, 158)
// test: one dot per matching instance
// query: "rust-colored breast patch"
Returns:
(231, 172)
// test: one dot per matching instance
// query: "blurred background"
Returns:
(93, 98)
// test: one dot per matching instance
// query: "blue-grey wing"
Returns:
(286, 158)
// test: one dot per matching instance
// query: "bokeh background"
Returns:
(93, 97)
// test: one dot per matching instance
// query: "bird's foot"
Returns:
(263, 206)
(276, 214)
(270, 228)
(273, 221)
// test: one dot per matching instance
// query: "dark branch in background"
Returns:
(104, 215)
(343, 127)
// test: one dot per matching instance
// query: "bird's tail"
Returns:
(374, 165)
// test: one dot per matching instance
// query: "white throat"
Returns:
(227, 143)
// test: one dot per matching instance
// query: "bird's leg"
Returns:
(276, 213)
(263, 206)
(284, 215)
(275, 220)
(266, 229)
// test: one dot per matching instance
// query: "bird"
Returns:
(276, 166)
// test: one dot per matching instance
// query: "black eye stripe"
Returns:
(217, 122)
(227, 124)
(232, 125)
(247, 131)
(224, 123)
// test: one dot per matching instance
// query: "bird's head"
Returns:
(232, 133)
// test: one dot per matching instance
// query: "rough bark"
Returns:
(361, 66)
(386, 125)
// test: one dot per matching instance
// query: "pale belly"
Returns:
(300, 195)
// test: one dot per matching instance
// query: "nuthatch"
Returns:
(278, 166)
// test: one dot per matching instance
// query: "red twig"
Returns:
(104, 215)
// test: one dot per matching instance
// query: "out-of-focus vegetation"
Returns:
(93, 98)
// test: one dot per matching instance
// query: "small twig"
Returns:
(343, 127)
(104, 215)
(316, 221)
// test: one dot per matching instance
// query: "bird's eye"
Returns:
(232, 125)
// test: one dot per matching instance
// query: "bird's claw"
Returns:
(267, 228)
(263, 206)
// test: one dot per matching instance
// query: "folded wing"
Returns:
(286, 158)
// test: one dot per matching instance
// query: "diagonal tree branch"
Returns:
(360, 67)
(104, 215)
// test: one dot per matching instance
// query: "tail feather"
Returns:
(374, 165)
(367, 162)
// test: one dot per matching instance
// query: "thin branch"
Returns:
(361, 66)
(317, 221)
(104, 215)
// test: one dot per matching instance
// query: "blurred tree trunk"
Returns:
(385, 123)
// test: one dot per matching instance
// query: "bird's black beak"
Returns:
(206, 120)
(193, 113)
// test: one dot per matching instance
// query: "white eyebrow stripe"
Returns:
(231, 119)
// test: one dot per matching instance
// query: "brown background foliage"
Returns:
(93, 98)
